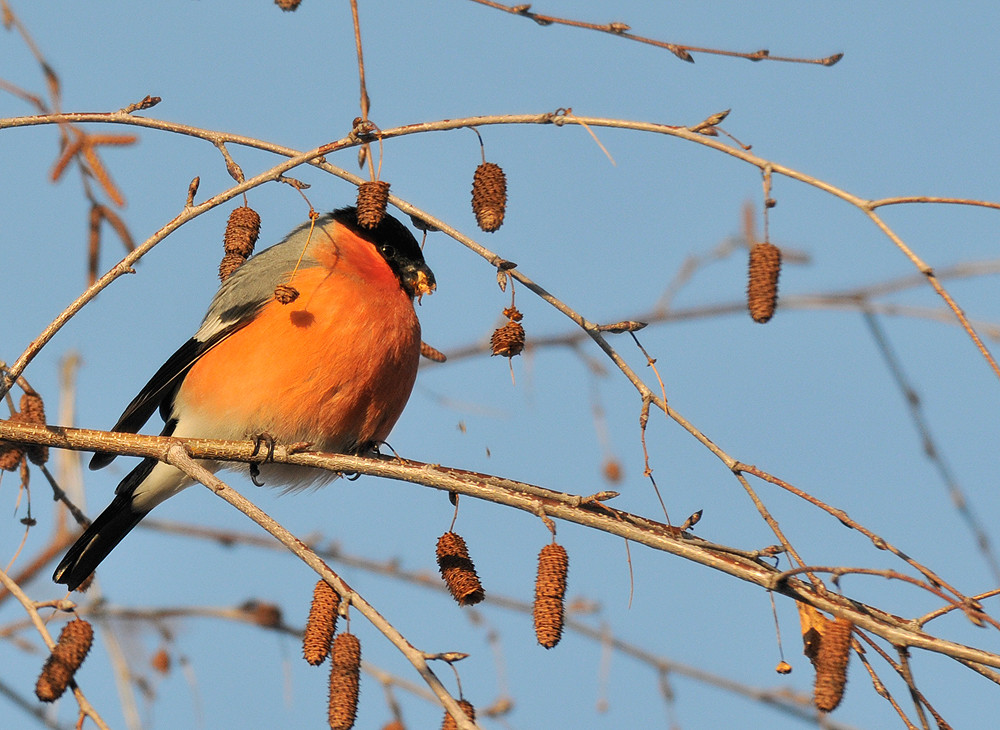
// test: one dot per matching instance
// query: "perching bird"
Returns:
(334, 368)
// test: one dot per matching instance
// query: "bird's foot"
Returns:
(260, 441)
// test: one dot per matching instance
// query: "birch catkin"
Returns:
(322, 623)
(457, 569)
(831, 664)
(345, 674)
(762, 288)
(66, 657)
(550, 592)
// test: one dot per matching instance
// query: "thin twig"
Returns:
(878, 541)
(14, 589)
(880, 689)
(930, 448)
(622, 30)
(365, 101)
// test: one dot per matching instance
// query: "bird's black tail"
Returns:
(104, 533)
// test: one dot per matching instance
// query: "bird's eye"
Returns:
(387, 251)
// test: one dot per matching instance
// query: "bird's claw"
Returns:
(259, 441)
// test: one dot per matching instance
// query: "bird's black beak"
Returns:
(418, 280)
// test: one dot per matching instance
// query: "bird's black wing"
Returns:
(159, 392)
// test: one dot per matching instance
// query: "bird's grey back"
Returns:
(252, 285)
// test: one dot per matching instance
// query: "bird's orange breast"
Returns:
(334, 368)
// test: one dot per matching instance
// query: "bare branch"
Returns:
(623, 30)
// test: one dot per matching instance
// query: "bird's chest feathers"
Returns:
(335, 367)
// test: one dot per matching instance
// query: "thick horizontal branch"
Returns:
(589, 512)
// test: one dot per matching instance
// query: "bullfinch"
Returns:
(333, 368)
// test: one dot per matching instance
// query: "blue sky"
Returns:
(808, 397)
